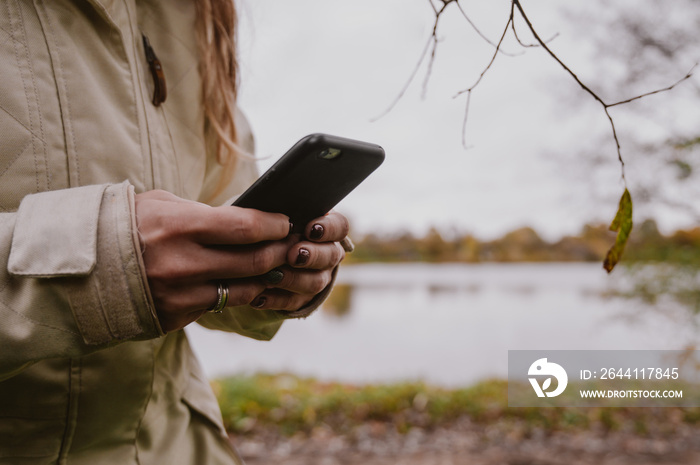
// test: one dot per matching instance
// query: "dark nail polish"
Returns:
(303, 257)
(274, 276)
(259, 302)
(291, 227)
(316, 232)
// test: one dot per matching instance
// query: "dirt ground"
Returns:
(465, 443)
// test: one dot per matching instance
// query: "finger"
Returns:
(201, 263)
(180, 306)
(240, 292)
(279, 299)
(202, 296)
(315, 256)
(309, 282)
(330, 228)
(162, 215)
(235, 225)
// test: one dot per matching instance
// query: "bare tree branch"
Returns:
(432, 45)
(606, 106)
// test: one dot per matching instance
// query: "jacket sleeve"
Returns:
(71, 280)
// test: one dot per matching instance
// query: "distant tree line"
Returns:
(525, 245)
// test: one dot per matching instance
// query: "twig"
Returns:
(688, 75)
(433, 7)
(486, 39)
(431, 40)
(434, 41)
(469, 90)
(405, 87)
(523, 44)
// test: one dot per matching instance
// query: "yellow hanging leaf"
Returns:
(622, 225)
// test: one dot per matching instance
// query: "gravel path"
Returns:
(466, 443)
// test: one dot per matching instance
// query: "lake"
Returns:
(447, 324)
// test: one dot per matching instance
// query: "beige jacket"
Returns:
(86, 375)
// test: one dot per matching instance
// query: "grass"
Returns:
(289, 404)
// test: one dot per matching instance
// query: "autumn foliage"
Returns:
(645, 243)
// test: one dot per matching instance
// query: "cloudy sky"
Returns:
(333, 66)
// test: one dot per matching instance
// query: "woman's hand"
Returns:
(310, 263)
(189, 247)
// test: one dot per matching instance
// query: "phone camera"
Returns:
(329, 154)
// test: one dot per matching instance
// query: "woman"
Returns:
(117, 119)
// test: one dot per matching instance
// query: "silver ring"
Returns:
(221, 299)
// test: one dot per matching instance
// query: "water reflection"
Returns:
(447, 324)
(437, 289)
(339, 302)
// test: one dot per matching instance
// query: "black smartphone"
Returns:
(312, 177)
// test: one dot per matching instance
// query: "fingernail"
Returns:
(259, 302)
(303, 257)
(273, 276)
(316, 232)
(291, 227)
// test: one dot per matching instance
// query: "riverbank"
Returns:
(286, 420)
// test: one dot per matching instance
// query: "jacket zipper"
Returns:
(160, 90)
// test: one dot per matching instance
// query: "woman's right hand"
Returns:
(188, 247)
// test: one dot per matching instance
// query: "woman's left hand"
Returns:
(310, 263)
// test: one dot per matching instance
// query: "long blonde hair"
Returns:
(218, 65)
